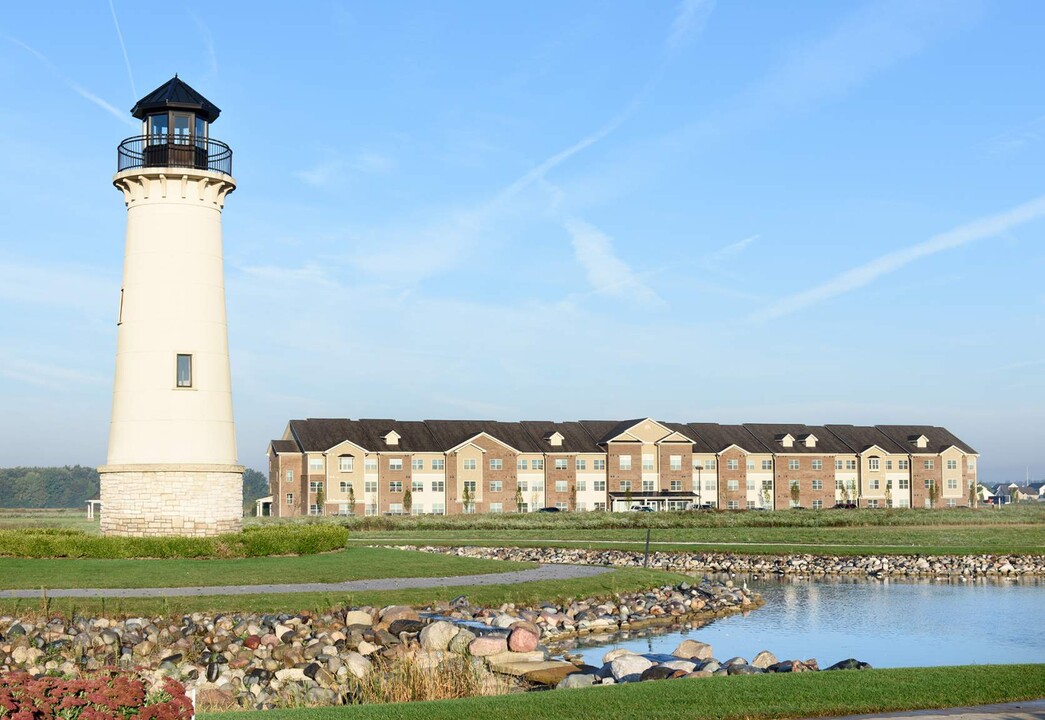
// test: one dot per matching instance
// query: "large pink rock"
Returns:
(522, 639)
(485, 646)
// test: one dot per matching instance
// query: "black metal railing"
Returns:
(148, 151)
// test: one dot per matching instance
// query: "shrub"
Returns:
(120, 697)
(404, 679)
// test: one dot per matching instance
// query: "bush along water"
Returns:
(252, 542)
(354, 655)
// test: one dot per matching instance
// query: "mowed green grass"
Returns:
(531, 593)
(359, 563)
(903, 539)
(60, 518)
(719, 698)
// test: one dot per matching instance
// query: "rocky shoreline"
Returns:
(265, 661)
(871, 566)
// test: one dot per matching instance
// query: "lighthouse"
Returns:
(172, 467)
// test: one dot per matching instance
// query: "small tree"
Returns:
(518, 500)
(466, 498)
(573, 497)
(972, 494)
(320, 499)
(408, 501)
(351, 500)
(767, 496)
(1014, 495)
(628, 496)
(888, 493)
(934, 493)
(796, 493)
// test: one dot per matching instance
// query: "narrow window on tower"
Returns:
(184, 371)
(119, 318)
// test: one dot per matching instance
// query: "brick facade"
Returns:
(684, 474)
(725, 475)
(805, 476)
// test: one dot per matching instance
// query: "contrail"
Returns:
(123, 46)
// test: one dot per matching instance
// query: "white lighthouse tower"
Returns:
(172, 467)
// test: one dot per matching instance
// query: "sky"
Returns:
(724, 212)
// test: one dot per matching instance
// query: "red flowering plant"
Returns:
(117, 697)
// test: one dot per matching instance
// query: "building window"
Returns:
(625, 485)
(346, 463)
(952, 503)
(818, 504)
(930, 464)
(888, 464)
(417, 464)
(792, 464)
(395, 486)
(838, 484)
(315, 465)
(395, 508)
(709, 484)
(675, 462)
(370, 509)
(496, 507)
(952, 484)
(290, 498)
(733, 505)
(561, 464)
(874, 483)
(344, 486)
(838, 463)
(903, 502)
(598, 485)
(438, 486)
(537, 464)
(952, 464)
(562, 505)
(818, 464)
(624, 462)
(524, 485)
(710, 464)
(732, 485)
(749, 504)
(343, 509)
(521, 464)
(438, 509)
(647, 463)
(313, 509)
(370, 486)
(676, 486)
(496, 464)
(581, 486)
(873, 463)
(732, 464)
(970, 464)
(561, 486)
(750, 483)
(818, 484)
(598, 464)
(599, 506)
(184, 374)
(290, 476)
(767, 464)
(648, 486)
(581, 464)
(767, 484)
(395, 463)
(850, 464)
(417, 509)
(417, 486)
(872, 503)
(928, 483)
(470, 486)
(903, 464)
(315, 486)
(439, 464)
(904, 483)
(496, 486)
(750, 464)
(370, 464)
(469, 464)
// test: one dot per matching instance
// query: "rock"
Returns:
(849, 664)
(291, 675)
(551, 675)
(366, 648)
(357, 665)
(438, 635)
(689, 649)
(499, 662)
(684, 665)
(252, 642)
(405, 625)
(657, 672)
(358, 617)
(743, 669)
(629, 668)
(699, 674)
(486, 646)
(614, 654)
(460, 642)
(576, 680)
(215, 698)
(523, 639)
(764, 659)
(398, 612)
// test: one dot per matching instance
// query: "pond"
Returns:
(888, 623)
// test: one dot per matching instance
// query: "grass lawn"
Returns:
(61, 518)
(721, 698)
(605, 585)
(902, 539)
(359, 563)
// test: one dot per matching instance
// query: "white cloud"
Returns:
(1017, 139)
(336, 169)
(734, 249)
(606, 272)
(864, 275)
(123, 47)
(690, 18)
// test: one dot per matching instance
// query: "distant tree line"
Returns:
(72, 487)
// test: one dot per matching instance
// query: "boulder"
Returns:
(850, 664)
(657, 672)
(614, 654)
(743, 669)
(522, 639)
(629, 668)
(576, 680)
(689, 649)
(398, 612)
(358, 617)
(764, 659)
(551, 674)
(356, 664)
(485, 646)
(405, 625)
(460, 642)
(684, 665)
(438, 635)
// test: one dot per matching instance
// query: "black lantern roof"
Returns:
(176, 94)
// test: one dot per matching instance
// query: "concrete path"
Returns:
(1029, 710)
(542, 572)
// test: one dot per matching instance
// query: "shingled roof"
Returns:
(770, 434)
(176, 94)
(720, 437)
(575, 438)
(284, 446)
(864, 437)
(939, 438)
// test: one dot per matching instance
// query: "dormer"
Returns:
(809, 440)
(555, 439)
(392, 438)
(919, 441)
(786, 440)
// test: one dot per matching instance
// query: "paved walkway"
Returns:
(1028, 710)
(541, 572)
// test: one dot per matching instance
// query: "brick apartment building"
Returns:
(374, 467)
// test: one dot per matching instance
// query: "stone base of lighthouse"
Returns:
(165, 500)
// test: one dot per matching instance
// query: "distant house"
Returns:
(985, 494)
(1005, 492)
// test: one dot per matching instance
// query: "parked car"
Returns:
(700, 506)
(642, 508)
(844, 506)
(550, 509)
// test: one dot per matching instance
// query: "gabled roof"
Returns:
(939, 438)
(575, 439)
(451, 433)
(602, 431)
(284, 446)
(719, 437)
(864, 437)
(769, 434)
(176, 94)
(700, 445)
